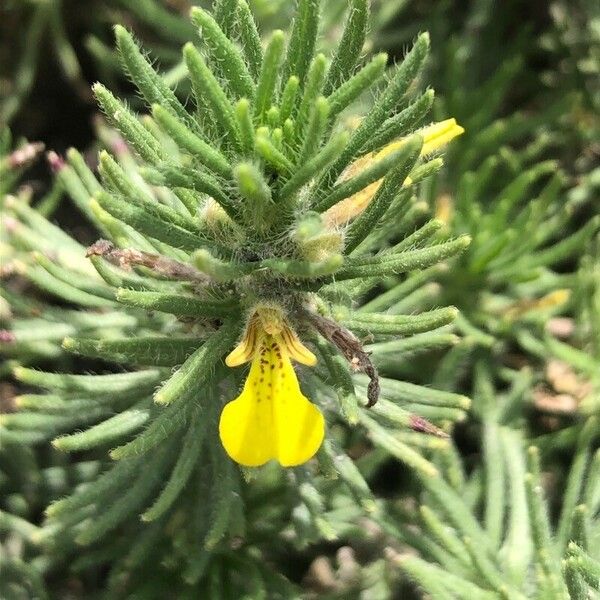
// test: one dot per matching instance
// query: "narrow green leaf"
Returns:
(386, 103)
(350, 475)
(587, 567)
(198, 367)
(591, 495)
(302, 269)
(518, 189)
(116, 277)
(418, 237)
(41, 225)
(148, 224)
(150, 83)
(146, 145)
(340, 379)
(190, 141)
(245, 125)
(269, 74)
(172, 175)
(162, 212)
(273, 156)
(517, 546)
(142, 351)
(220, 270)
(312, 90)
(115, 177)
(302, 41)
(350, 46)
(132, 499)
(455, 508)
(223, 495)
(403, 262)
(435, 581)
(68, 403)
(575, 582)
(85, 283)
(307, 171)
(225, 13)
(47, 282)
(402, 123)
(443, 534)
(169, 421)
(381, 437)
(566, 247)
(403, 392)
(371, 173)
(51, 424)
(314, 131)
(288, 98)
(495, 482)
(572, 491)
(99, 490)
(489, 574)
(381, 323)
(10, 522)
(190, 453)
(74, 187)
(348, 92)
(107, 432)
(253, 187)
(207, 88)
(158, 17)
(83, 171)
(224, 54)
(538, 514)
(182, 305)
(249, 38)
(117, 383)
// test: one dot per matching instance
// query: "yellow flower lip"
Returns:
(271, 419)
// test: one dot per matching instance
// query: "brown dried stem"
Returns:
(350, 346)
(162, 266)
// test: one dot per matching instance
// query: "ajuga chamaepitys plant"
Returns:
(238, 228)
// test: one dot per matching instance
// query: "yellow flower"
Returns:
(552, 300)
(435, 136)
(271, 418)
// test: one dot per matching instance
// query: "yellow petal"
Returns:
(295, 348)
(438, 135)
(271, 418)
(247, 347)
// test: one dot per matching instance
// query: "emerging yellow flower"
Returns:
(435, 136)
(271, 418)
(552, 300)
